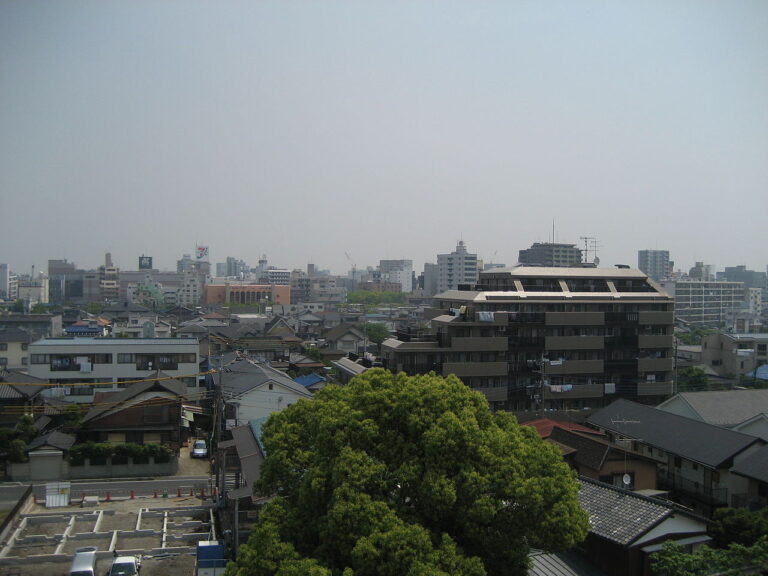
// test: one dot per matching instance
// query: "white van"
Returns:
(84, 562)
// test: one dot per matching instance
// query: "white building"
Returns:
(703, 302)
(9, 283)
(458, 267)
(85, 365)
(398, 271)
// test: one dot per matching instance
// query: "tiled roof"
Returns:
(562, 564)
(15, 335)
(239, 377)
(174, 386)
(54, 439)
(544, 427)
(754, 466)
(692, 439)
(724, 407)
(619, 515)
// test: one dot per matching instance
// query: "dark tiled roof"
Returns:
(174, 386)
(754, 466)
(619, 515)
(562, 564)
(725, 407)
(15, 384)
(592, 450)
(694, 440)
(54, 439)
(338, 331)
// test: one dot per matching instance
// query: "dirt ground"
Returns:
(192, 466)
(174, 565)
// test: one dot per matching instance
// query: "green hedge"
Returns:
(141, 452)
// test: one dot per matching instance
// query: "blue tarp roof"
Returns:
(256, 429)
(309, 379)
(762, 373)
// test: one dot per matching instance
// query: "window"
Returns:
(3, 361)
(25, 346)
(39, 358)
(3, 346)
(24, 361)
(126, 358)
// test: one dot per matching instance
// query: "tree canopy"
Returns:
(735, 560)
(397, 475)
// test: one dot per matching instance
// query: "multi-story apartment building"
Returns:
(548, 337)
(704, 303)
(83, 366)
(655, 263)
(430, 279)
(455, 269)
(279, 276)
(551, 254)
(247, 294)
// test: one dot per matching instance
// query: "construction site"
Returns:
(40, 539)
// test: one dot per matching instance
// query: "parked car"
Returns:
(199, 449)
(84, 562)
(125, 566)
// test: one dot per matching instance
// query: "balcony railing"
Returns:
(527, 318)
(706, 494)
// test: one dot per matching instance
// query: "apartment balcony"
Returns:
(574, 367)
(577, 391)
(655, 364)
(489, 343)
(574, 342)
(656, 317)
(527, 318)
(621, 317)
(655, 388)
(655, 341)
(575, 318)
(522, 342)
(499, 394)
(470, 369)
(716, 497)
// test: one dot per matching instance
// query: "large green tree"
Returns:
(736, 560)
(397, 475)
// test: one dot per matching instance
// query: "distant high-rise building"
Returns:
(398, 271)
(655, 263)
(457, 268)
(430, 278)
(551, 254)
(9, 283)
(750, 278)
(702, 272)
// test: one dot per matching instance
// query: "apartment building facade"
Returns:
(84, 366)
(705, 302)
(655, 263)
(731, 355)
(457, 268)
(550, 254)
(530, 337)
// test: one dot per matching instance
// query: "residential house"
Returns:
(596, 458)
(254, 390)
(345, 338)
(733, 354)
(347, 368)
(755, 470)
(741, 410)
(19, 394)
(694, 458)
(625, 528)
(148, 412)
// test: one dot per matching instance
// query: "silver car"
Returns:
(199, 449)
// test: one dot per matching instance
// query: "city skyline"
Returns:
(311, 131)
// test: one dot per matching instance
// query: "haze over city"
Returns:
(308, 131)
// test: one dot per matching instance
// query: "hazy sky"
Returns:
(305, 130)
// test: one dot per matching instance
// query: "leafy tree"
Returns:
(17, 306)
(397, 475)
(692, 379)
(25, 429)
(738, 526)
(94, 308)
(39, 308)
(672, 560)
(377, 331)
(72, 418)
